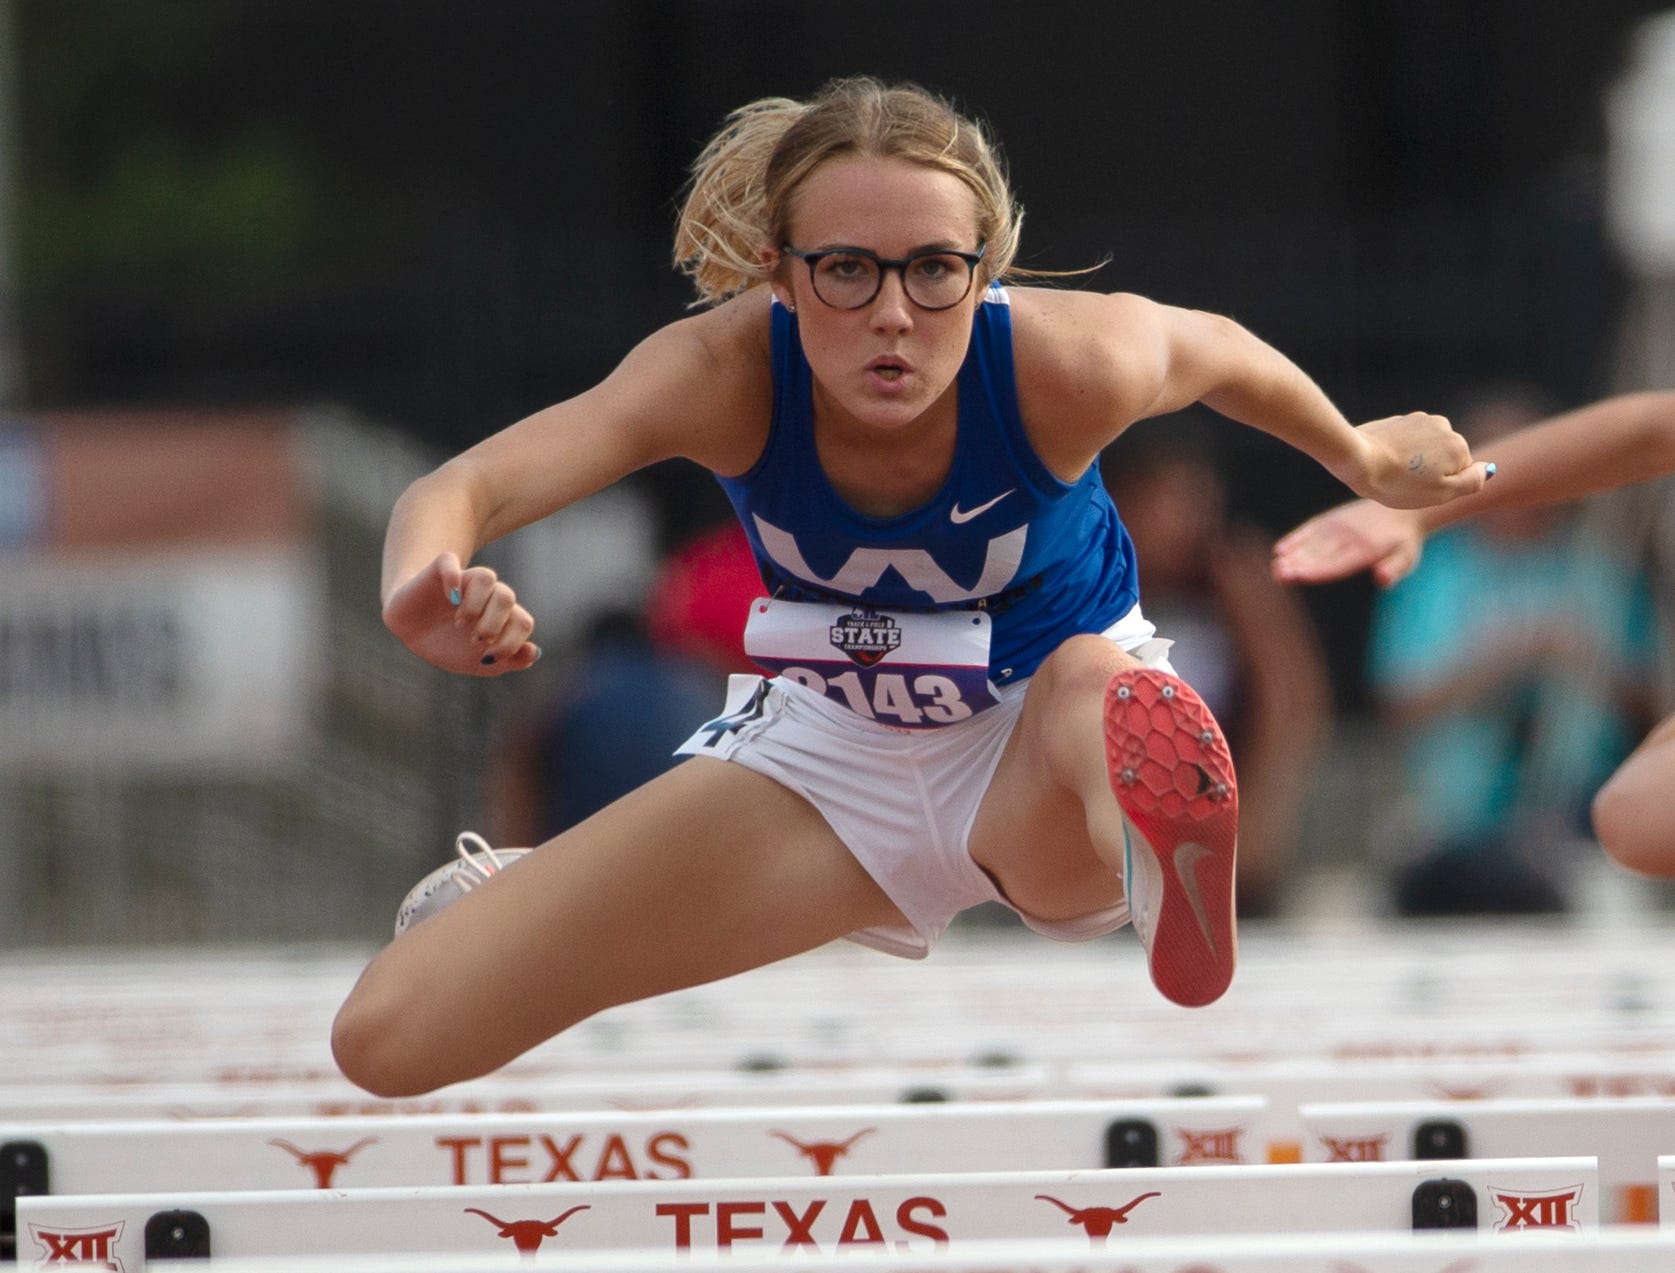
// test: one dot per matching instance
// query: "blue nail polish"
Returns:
(537, 656)
(1489, 469)
(453, 595)
(487, 659)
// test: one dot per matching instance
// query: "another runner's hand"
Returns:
(1415, 461)
(1352, 537)
(462, 620)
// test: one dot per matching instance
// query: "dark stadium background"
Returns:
(443, 216)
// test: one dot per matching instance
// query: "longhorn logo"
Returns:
(823, 1153)
(527, 1235)
(1097, 1222)
(323, 1162)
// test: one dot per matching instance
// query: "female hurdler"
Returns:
(968, 705)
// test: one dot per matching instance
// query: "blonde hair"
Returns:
(739, 196)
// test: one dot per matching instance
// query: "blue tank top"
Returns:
(1045, 558)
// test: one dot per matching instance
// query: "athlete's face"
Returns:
(886, 363)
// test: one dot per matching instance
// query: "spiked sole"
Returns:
(1173, 776)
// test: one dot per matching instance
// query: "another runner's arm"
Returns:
(1609, 444)
(1095, 364)
(691, 389)
(1606, 445)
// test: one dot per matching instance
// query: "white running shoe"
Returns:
(449, 883)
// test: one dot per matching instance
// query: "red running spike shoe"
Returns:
(1173, 776)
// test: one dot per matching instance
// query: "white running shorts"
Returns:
(902, 801)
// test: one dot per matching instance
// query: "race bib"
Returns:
(909, 671)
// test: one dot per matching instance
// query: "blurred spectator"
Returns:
(1512, 660)
(598, 555)
(638, 683)
(1244, 642)
(701, 597)
(622, 708)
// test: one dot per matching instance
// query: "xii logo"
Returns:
(1220, 1146)
(1552, 1210)
(89, 1247)
(1354, 1149)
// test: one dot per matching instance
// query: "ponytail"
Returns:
(723, 222)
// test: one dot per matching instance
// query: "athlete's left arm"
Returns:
(1090, 365)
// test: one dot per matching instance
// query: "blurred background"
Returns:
(262, 262)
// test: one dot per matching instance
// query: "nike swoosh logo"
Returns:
(960, 516)
(1187, 857)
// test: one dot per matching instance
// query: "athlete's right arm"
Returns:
(699, 388)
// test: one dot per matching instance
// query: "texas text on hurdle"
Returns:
(803, 1217)
(485, 1149)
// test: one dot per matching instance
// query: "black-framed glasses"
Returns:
(848, 278)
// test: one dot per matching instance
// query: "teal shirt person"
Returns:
(1525, 738)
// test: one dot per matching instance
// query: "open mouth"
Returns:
(888, 370)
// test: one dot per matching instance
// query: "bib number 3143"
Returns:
(909, 671)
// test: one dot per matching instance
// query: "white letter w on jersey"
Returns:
(866, 566)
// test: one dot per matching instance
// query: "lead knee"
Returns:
(387, 1040)
(1082, 664)
(366, 1046)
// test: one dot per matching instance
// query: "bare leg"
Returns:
(1634, 812)
(1114, 766)
(1052, 788)
(707, 871)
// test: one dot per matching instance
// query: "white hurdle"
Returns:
(228, 1018)
(485, 1149)
(1607, 1251)
(1666, 1192)
(514, 1094)
(196, 1038)
(1289, 1084)
(1626, 1136)
(801, 1217)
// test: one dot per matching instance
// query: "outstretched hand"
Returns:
(462, 620)
(1415, 461)
(1342, 541)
